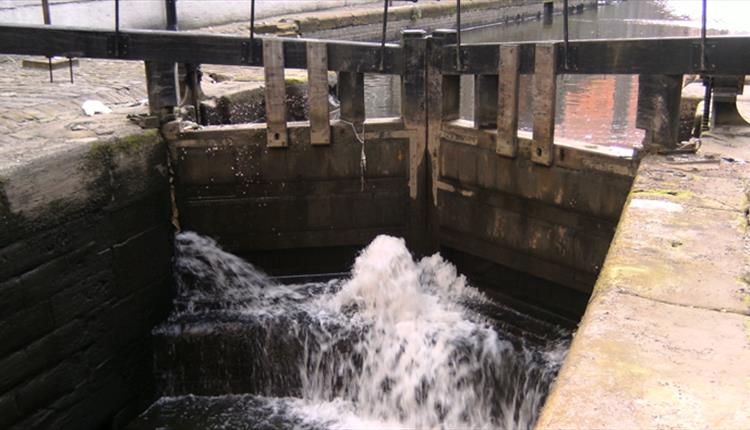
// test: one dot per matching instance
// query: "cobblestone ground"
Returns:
(37, 116)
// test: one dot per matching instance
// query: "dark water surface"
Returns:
(598, 109)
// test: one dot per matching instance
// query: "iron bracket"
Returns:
(115, 49)
(245, 53)
(695, 56)
(569, 64)
(572, 60)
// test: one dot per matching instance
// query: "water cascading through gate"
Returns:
(399, 343)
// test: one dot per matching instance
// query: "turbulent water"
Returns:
(398, 344)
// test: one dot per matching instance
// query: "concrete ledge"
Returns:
(78, 178)
(665, 342)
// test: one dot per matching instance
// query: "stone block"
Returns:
(133, 268)
(22, 328)
(138, 164)
(9, 413)
(44, 389)
(43, 354)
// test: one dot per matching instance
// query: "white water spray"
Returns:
(396, 345)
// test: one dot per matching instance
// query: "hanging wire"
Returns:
(385, 30)
(48, 21)
(565, 32)
(362, 157)
(458, 34)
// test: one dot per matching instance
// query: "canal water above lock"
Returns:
(594, 109)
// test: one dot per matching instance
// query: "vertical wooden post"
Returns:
(414, 112)
(351, 89)
(485, 101)
(317, 93)
(161, 85)
(545, 90)
(162, 79)
(413, 101)
(443, 98)
(507, 100)
(273, 65)
(659, 110)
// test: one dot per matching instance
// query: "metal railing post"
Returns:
(458, 35)
(385, 30)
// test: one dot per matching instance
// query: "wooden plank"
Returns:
(507, 99)
(485, 101)
(189, 47)
(545, 90)
(351, 88)
(523, 262)
(273, 59)
(413, 101)
(668, 56)
(659, 110)
(317, 93)
(484, 59)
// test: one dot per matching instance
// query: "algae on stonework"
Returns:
(668, 193)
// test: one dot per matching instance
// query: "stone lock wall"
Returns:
(85, 248)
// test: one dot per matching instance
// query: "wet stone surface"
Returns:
(240, 412)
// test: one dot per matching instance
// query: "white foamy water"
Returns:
(396, 345)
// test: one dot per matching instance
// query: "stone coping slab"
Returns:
(665, 341)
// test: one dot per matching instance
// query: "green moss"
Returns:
(295, 80)
(57, 206)
(744, 280)
(670, 194)
(742, 223)
(416, 13)
(101, 152)
(134, 142)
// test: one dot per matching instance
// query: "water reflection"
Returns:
(382, 95)
(598, 109)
